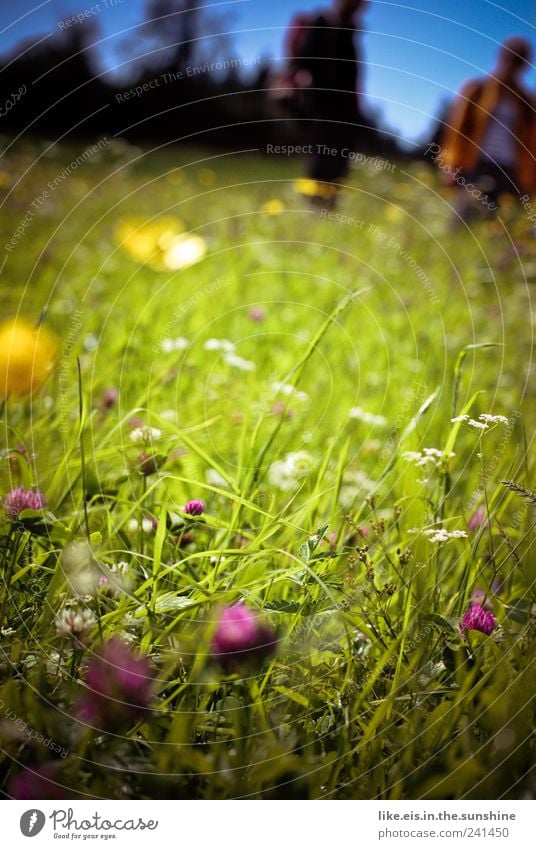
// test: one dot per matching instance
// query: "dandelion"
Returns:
(120, 687)
(145, 434)
(240, 637)
(75, 623)
(20, 499)
(478, 619)
(27, 357)
(194, 507)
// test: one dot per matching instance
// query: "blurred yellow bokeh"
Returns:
(161, 243)
(273, 207)
(27, 357)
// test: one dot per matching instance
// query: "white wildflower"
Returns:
(178, 344)
(478, 425)
(75, 623)
(280, 388)
(145, 434)
(427, 457)
(286, 473)
(366, 417)
(238, 362)
(442, 535)
(219, 345)
(489, 419)
(460, 419)
(147, 526)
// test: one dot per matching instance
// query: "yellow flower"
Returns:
(27, 357)
(273, 207)
(148, 241)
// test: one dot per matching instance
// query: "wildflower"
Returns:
(219, 345)
(428, 457)
(39, 782)
(120, 687)
(148, 464)
(489, 419)
(460, 419)
(287, 389)
(194, 507)
(257, 314)
(20, 499)
(478, 425)
(442, 535)
(238, 362)
(109, 398)
(27, 357)
(148, 525)
(240, 637)
(367, 418)
(286, 473)
(170, 345)
(478, 619)
(145, 434)
(76, 623)
(477, 520)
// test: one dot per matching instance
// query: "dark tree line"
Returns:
(181, 81)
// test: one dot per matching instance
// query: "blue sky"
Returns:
(418, 53)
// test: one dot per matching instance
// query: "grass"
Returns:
(373, 692)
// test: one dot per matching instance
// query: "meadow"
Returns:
(267, 482)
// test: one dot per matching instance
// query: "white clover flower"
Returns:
(286, 473)
(238, 362)
(75, 623)
(219, 345)
(287, 389)
(178, 344)
(145, 434)
(147, 526)
(367, 418)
